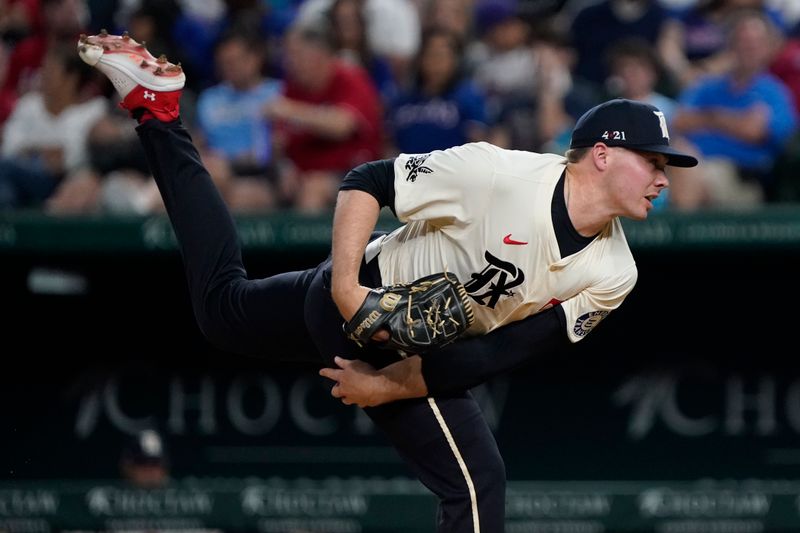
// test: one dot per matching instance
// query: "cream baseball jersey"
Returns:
(484, 214)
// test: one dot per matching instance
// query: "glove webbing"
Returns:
(433, 315)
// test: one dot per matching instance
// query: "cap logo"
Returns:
(662, 121)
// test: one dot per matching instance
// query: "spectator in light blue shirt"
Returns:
(233, 131)
(740, 121)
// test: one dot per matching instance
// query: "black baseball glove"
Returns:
(422, 315)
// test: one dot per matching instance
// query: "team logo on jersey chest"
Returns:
(587, 321)
(415, 166)
(495, 280)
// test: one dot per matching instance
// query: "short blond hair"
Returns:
(574, 155)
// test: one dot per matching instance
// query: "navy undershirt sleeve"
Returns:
(471, 361)
(375, 178)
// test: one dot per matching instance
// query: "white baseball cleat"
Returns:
(141, 79)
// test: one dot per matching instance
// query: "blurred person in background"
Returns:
(634, 73)
(501, 61)
(234, 135)
(18, 19)
(144, 462)
(351, 42)
(45, 137)
(115, 180)
(562, 98)
(739, 121)
(327, 120)
(201, 23)
(455, 16)
(393, 29)
(786, 64)
(443, 108)
(597, 27)
(694, 43)
(62, 21)
(541, 120)
(150, 19)
(145, 465)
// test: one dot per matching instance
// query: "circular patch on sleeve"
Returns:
(587, 321)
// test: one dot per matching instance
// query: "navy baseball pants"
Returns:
(291, 316)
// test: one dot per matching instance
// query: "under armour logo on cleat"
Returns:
(150, 96)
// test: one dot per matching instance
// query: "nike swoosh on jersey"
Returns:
(508, 240)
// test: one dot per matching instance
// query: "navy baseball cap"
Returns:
(629, 124)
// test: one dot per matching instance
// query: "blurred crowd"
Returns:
(283, 97)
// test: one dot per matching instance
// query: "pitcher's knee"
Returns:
(493, 467)
(489, 479)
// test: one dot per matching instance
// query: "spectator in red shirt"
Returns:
(786, 66)
(328, 119)
(18, 19)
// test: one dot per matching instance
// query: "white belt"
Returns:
(373, 249)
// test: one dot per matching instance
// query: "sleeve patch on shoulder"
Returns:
(415, 166)
(587, 321)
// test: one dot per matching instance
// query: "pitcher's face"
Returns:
(636, 179)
